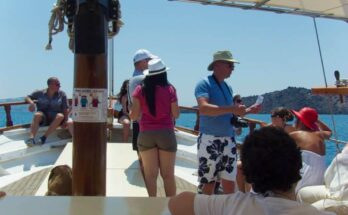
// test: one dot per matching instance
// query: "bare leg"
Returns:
(228, 186)
(167, 164)
(70, 125)
(35, 124)
(56, 122)
(240, 177)
(126, 129)
(151, 165)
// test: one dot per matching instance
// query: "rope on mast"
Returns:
(68, 9)
(56, 23)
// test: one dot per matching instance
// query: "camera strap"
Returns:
(222, 90)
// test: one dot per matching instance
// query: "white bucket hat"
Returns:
(156, 66)
(143, 54)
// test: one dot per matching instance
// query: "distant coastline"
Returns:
(297, 97)
(291, 97)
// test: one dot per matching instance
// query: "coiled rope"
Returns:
(56, 23)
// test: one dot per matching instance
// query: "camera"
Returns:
(238, 122)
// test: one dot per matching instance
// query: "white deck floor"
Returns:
(123, 176)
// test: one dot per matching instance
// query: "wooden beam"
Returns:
(330, 90)
(90, 136)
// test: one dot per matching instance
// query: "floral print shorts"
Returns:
(217, 158)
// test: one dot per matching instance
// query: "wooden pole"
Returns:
(90, 100)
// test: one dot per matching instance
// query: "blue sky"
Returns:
(275, 51)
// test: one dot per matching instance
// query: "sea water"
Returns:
(188, 120)
(21, 115)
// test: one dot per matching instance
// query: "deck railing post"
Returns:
(8, 115)
(196, 128)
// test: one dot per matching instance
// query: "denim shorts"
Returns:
(162, 139)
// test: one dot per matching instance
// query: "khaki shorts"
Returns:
(162, 139)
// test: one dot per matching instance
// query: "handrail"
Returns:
(13, 103)
(7, 108)
(10, 126)
(196, 127)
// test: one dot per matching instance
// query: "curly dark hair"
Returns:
(271, 160)
(283, 113)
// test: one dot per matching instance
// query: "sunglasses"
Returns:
(57, 84)
(239, 101)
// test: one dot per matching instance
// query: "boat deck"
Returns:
(28, 185)
(124, 178)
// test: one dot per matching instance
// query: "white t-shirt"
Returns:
(249, 203)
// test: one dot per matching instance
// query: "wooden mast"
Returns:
(90, 79)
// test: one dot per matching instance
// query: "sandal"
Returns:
(30, 142)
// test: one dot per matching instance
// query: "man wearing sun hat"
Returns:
(216, 144)
(140, 61)
(310, 137)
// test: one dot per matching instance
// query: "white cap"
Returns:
(142, 54)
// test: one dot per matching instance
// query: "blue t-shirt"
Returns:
(215, 125)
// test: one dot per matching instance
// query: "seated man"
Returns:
(271, 164)
(52, 110)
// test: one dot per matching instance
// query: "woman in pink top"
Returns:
(155, 106)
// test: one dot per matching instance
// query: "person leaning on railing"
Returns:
(52, 110)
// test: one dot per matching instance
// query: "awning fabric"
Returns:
(333, 9)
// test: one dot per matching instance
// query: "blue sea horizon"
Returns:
(21, 115)
(188, 120)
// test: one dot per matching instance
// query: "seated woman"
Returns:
(271, 163)
(333, 195)
(310, 138)
(123, 116)
(279, 118)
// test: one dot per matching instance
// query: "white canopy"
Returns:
(333, 9)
